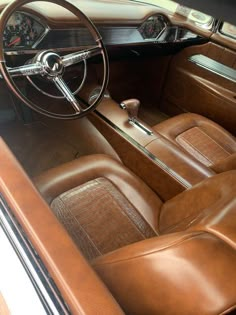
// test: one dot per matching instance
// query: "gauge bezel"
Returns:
(46, 29)
(162, 18)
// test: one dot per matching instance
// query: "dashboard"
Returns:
(25, 32)
(120, 23)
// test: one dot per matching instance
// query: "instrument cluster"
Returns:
(153, 27)
(22, 31)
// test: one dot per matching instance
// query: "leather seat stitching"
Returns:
(203, 131)
(191, 145)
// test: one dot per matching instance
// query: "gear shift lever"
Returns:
(132, 106)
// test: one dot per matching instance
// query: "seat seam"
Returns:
(191, 145)
(171, 227)
(203, 131)
(188, 237)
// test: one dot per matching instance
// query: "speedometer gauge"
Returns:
(22, 30)
(153, 27)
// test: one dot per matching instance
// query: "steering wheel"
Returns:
(50, 65)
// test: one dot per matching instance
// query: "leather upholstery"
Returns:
(176, 169)
(70, 175)
(100, 203)
(199, 203)
(190, 270)
(202, 139)
(182, 273)
(73, 276)
(190, 267)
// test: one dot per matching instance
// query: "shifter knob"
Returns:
(132, 107)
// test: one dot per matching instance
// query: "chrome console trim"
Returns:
(214, 66)
(137, 124)
(44, 285)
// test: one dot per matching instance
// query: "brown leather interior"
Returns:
(190, 88)
(100, 202)
(125, 222)
(190, 267)
(167, 265)
(70, 175)
(202, 139)
(76, 281)
(200, 221)
(173, 162)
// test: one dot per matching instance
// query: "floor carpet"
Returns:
(36, 147)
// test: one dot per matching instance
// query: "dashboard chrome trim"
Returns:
(44, 285)
(35, 51)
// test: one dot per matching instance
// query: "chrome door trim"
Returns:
(48, 293)
(214, 67)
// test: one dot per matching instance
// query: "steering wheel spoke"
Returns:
(65, 90)
(26, 70)
(79, 56)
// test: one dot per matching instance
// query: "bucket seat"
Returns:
(176, 257)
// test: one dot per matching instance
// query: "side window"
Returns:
(228, 30)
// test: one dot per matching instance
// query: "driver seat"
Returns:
(173, 257)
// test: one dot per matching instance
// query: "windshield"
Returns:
(166, 4)
(193, 15)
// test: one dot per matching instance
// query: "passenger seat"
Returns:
(202, 139)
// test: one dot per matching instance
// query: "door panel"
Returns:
(191, 88)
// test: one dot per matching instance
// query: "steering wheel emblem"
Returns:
(52, 64)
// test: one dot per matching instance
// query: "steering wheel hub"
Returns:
(52, 64)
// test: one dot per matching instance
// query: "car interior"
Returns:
(118, 154)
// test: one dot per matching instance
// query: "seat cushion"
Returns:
(201, 138)
(190, 270)
(99, 218)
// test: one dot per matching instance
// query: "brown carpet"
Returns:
(36, 147)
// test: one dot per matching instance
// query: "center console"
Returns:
(162, 165)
